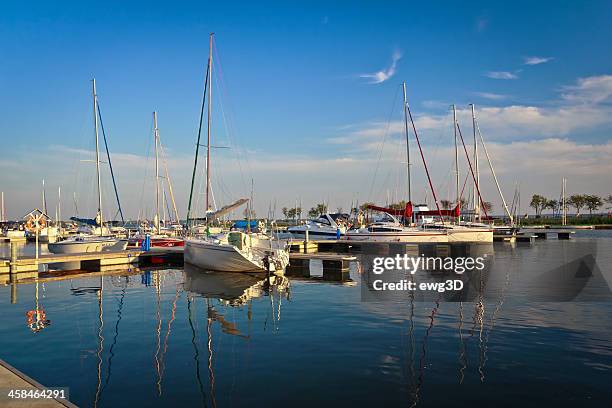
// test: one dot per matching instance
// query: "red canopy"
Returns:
(408, 211)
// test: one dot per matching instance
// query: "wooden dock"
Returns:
(13, 379)
(12, 239)
(88, 260)
(24, 268)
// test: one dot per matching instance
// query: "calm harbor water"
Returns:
(181, 336)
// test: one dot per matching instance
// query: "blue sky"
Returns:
(295, 89)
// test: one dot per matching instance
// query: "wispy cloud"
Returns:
(384, 74)
(501, 75)
(581, 106)
(481, 24)
(536, 60)
(590, 90)
(491, 96)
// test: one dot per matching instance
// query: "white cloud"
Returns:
(581, 107)
(383, 75)
(501, 75)
(491, 96)
(536, 60)
(590, 90)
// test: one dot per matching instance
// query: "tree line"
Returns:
(578, 201)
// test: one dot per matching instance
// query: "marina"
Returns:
(277, 204)
(183, 335)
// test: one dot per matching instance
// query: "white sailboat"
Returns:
(426, 230)
(234, 251)
(89, 242)
(162, 235)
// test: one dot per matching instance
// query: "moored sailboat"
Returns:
(234, 251)
(90, 242)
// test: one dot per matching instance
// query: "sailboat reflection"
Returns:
(232, 289)
(229, 290)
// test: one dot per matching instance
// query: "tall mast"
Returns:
(484, 148)
(563, 202)
(2, 210)
(407, 141)
(95, 113)
(477, 182)
(59, 208)
(44, 198)
(156, 137)
(456, 158)
(210, 55)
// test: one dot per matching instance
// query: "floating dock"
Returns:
(26, 267)
(92, 261)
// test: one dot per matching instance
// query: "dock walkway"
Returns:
(13, 379)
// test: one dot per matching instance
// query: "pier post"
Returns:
(13, 272)
(13, 265)
(306, 239)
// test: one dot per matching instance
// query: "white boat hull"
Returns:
(398, 236)
(470, 235)
(70, 246)
(224, 257)
(442, 236)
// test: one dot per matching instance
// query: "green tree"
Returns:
(488, 206)
(297, 212)
(592, 202)
(552, 205)
(446, 204)
(364, 206)
(398, 206)
(578, 201)
(285, 212)
(317, 210)
(538, 203)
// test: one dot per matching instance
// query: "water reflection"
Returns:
(217, 339)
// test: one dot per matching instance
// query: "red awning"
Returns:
(407, 212)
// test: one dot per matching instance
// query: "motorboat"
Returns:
(87, 243)
(326, 226)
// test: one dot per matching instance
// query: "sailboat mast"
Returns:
(563, 202)
(155, 136)
(477, 182)
(59, 208)
(95, 113)
(407, 141)
(501, 195)
(2, 210)
(210, 55)
(44, 198)
(456, 158)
